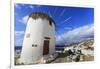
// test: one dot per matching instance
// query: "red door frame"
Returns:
(46, 47)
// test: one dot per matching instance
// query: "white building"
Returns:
(39, 39)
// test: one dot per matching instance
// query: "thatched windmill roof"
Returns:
(36, 15)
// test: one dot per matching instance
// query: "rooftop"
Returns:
(36, 15)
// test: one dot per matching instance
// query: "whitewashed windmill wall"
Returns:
(40, 28)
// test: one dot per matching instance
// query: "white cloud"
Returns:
(67, 28)
(31, 7)
(62, 12)
(19, 35)
(66, 19)
(18, 42)
(76, 34)
(24, 19)
(16, 5)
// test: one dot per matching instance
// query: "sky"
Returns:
(72, 23)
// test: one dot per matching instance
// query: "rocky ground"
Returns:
(77, 52)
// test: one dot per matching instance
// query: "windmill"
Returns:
(39, 39)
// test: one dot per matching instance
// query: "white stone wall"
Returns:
(36, 30)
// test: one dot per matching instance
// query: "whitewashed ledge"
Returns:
(45, 59)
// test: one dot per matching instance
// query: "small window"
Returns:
(34, 45)
(28, 35)
(50, 22)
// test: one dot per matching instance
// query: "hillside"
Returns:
(77, 52)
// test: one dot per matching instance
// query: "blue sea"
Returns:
(17, 47)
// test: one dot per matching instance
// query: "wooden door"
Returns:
(46, 47)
